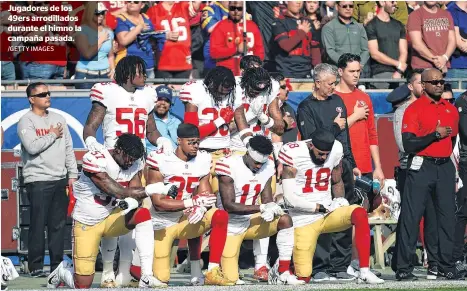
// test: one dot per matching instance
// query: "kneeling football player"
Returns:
(312, 171)
(187, 216)
(96, 213)
(242, 178)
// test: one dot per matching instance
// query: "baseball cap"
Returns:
(101, 7)
(164, 92)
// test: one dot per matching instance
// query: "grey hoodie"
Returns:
(45, 157)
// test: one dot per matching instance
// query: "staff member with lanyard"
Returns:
(461, 195)
(429, 130)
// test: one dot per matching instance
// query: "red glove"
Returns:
(71, 203)
(227, 114)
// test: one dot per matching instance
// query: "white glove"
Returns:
(268, 211)
(337, 203)
(277, 148)
(131, 204)
(204, 200)
(165, 144)
(9, 272)
(158, 188)
(273, 207)
(93, 145)
(195, 214)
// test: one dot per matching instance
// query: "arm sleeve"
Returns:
(413, 144)
(98, 94)
(223, 168)
(285, 155)
(188, 93)
(371, 31)
(329, 44)
(372, 133)
(347, 146)
(220, 48)
(70, 161)
(32, 143)
(152, 160)
(305, 122)
(94, 162)
(365, 54)
(397, 126)
(121, 26)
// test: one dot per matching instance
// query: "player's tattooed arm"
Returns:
(95, 119)
(136, 180)
(112, 188)
(276, 114)
(240, 121)
(152, 133)
(288, 172)
(337, 184)
(227, 193)
(162, 202)
(266, 194)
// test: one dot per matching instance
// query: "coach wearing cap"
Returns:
(429, 130)
(166, 123)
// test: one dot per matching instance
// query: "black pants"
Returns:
(334, 250)
(49, 203)
(461, 215)
(172, 74)
(430, 225)
(432, 182)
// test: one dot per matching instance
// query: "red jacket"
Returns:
(223, 48)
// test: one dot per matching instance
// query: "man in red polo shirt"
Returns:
(227, 43)
(429, 131)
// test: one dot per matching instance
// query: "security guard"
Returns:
(429, 126)
(461, 195)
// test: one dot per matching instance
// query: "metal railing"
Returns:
(16, 83)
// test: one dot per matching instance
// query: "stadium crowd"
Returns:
(242, 165)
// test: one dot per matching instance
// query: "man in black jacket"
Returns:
(323, 109)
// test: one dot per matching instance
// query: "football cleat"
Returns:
(197, 281)
(368, 278)
(216, 277)
(261, 274)
(108, 280)
(54, 278)
(286, 278)
(150, 282)
(123, 279)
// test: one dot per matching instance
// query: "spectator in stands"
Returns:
(174, 19)
(387, 45)
(166, 123)
(227, 41)
(448, 95)
(130, 25)
(49, 59)
(292, 36)
(49, 165)
(312, 12)
(431, 32)
(94, 43)
(211, 16)
(412, 6)
(458, 69)
(365, 11)
(197, 43)
(327, 11)
(291, 133)
(264, 14)
(345, 35)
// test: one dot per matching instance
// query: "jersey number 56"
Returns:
(132, 119)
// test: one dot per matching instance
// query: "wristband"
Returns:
(245, 131)
(399, 66)
(219, 122)
(446, 57)
(270, 123)
(188, 203)
(247, 140)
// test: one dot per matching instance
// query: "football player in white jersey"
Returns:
(98, 192)
(123, 106)
(242, 179)
(311, 177)
(187, 216)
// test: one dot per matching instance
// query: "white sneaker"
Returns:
(108, 280)
(369, 278)
(353, 269)
(240, 282)
(123, 279)
(150, 282)
(197, 281)
(53, 280)
(288, 279)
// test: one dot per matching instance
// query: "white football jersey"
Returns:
(185, 175)
(313, 181)
(248, 187)
(92, 206)
(196, 93)
(125, 112)
(256, 105)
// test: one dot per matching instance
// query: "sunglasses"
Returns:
(133, 2)
(283, 87)
(233, 8)
(101, 13)
(347, 6)
(41, 95)
(435, 82)
(194, 142)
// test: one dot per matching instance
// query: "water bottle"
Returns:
(376, 186)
